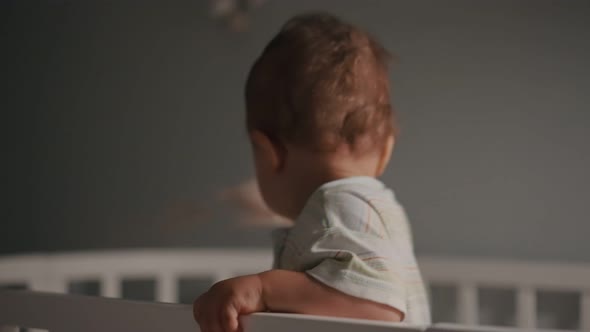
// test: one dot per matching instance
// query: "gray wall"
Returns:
(117, 111)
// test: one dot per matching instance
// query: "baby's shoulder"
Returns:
(370, 209)
(361, 210)
(357, 195)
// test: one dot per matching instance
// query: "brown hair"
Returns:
(321, 81)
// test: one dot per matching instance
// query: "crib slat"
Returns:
(166, 288)
(111, 286)
(467, 304)
(585, 311)
(526, 307)
(48, 284)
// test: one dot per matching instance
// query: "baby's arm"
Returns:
(289, 291)
(280, 291)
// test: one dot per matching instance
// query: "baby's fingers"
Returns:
(206, 314)
(229, 319)
(211, 319)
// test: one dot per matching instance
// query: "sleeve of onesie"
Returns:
(354, 253)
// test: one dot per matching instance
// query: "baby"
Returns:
(322, 128)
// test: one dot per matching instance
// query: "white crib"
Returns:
(55, 272)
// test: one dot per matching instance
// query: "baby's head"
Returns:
(318, 109)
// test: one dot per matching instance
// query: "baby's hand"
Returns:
(218, 309)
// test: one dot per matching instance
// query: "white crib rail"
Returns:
(71, 313)
(525, 277)
(56, 312)
(52, 273)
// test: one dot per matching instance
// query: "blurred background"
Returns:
(124, 121)
(123, 118)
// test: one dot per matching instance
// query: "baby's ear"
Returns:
(385, 154)
(271, 155)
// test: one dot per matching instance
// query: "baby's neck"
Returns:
(310, 171)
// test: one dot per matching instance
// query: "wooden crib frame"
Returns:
(52, 272)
